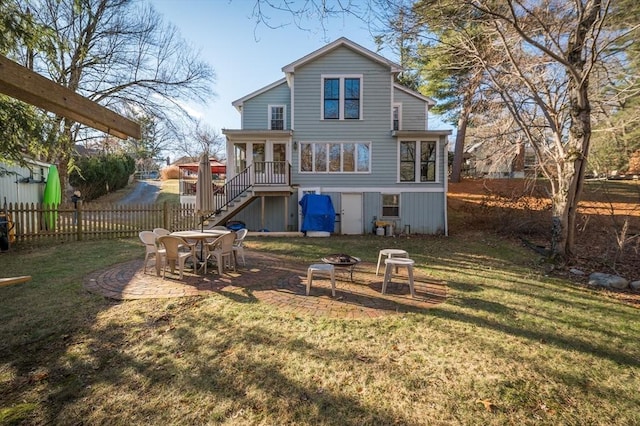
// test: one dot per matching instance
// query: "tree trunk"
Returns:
(458, 153)
(572, 167)
(463, 121)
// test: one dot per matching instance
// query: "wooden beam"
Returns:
(23, 84)
(14, 280)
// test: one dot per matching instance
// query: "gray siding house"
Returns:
(337, 124)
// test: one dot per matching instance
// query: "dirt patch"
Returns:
(608, 235)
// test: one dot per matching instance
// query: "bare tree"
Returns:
(205, 138)
(119, 53)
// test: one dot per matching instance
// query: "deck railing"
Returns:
(259, 173)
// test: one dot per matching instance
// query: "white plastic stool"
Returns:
(398, 262)
(390, 253)
(324, 268)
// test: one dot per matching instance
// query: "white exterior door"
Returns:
(351, 214)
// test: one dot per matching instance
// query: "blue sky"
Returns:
(247, 56)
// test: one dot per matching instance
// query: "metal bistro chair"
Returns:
(174, 255)
(222, 250)
(148, 238)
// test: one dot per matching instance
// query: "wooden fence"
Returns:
(31, 222)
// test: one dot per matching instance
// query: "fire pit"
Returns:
(342, 260)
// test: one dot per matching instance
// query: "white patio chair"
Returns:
(222, 250)
(148, 238)
(174, 255)
(238, 244)
(161, 231)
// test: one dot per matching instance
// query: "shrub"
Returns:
(170, 172)
(101, 174)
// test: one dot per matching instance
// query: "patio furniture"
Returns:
(149, 238)
(321, 268)
(390, 253)
(161, 231)
(342, 260)
(173, 246)
(396, 262)
(238, 244)
(222, 250)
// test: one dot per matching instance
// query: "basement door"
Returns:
(351, 214)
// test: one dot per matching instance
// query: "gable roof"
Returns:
(342, 41)
(239, 102)
(415, 94)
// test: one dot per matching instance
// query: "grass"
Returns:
(170, 192)
(509, 346)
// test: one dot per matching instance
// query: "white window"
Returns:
(341, 97)
(276, 117)
(396, 118)
(390, 205)
(335, 157)
(417, 161)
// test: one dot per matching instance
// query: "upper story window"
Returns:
(396, 116)
(418, 161)
(342, 97)
(276, 117)
(335, 157)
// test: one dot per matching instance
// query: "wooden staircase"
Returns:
(272, 178)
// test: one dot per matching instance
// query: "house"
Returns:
(338, 124)
(188, 177)
(500, 160)
(22, 183)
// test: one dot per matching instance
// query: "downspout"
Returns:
(446, 186)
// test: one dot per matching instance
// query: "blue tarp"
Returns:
(318, 213)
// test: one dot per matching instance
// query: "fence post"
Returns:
(78, 217)
(165, 214)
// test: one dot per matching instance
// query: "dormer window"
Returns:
(276, 117)
(341, 97)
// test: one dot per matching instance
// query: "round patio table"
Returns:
(341, 260)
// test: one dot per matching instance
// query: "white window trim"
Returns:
(399, 106)
(284, 115)
(341, 78)
(416, 177)
(341, 172)
(382, 194)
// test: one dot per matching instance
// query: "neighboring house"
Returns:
(22, 184)
(495, 161)
(337, 124)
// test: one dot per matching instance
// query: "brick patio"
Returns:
(277, 281)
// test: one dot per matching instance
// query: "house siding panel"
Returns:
(12, 190)
(413, 111)
(255, 114)
(376, 99)
(274, 214)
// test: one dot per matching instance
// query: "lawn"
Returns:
(510, 345)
